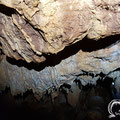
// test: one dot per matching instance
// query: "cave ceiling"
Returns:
(46, 43)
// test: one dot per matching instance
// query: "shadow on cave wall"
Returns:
(6, 10)
(85, 45)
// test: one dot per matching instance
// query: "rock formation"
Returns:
(47, 43)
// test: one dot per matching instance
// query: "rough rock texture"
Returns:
(86, 67)
(33, 30)
(48, 26)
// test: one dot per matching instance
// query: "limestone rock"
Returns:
(21, 76)
(73, 95)
(48, 26)
(56, 42)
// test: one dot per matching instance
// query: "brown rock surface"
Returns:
(48, 26)
(75, 30)
(86, 67)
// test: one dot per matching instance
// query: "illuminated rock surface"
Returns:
(34, 28)
(47, 43)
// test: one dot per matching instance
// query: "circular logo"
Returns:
(114, 108)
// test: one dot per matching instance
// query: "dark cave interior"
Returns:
(26, 106)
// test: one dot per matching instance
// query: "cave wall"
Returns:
(32, 29)
(87, 68)
(46, 43)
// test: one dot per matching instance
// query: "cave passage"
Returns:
(26, 106)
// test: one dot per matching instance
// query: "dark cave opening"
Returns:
(6, 10)
(28, 107)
